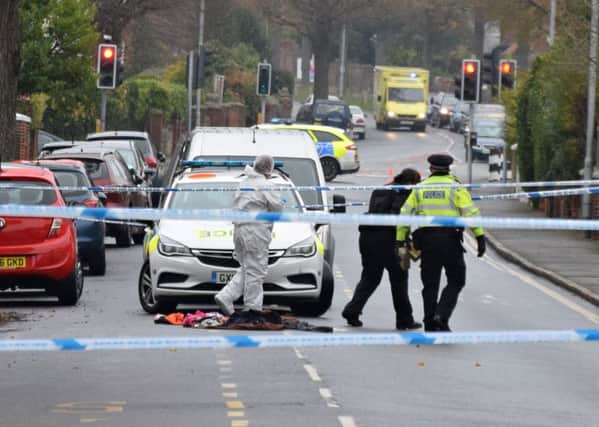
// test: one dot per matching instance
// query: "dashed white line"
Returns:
(312, 373)
(299, 354)
(327, 395)
(346, 421)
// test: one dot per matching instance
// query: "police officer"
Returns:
(441, 247)
(377, 252)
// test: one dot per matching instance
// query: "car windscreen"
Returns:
(449, 100)
(356, 110)
(489, 131)
(402, 94)
(220, 199)
(66, 178)
(143, 145)
(31, 196)
(324, 109)
(302, 172)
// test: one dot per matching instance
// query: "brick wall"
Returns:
(24, 141)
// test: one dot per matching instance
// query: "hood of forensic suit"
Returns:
(219, 234)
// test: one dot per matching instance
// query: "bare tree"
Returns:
(320, 21)
(9, 67)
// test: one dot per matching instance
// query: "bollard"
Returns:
(494, 164)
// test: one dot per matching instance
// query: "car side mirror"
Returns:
(338, 204)
(102, 196)
(161, 157)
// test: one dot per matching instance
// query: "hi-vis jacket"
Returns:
(438, 201)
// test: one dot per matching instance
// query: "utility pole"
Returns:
(342, 58)
(200, 45)
(588, 159)
(552, 22)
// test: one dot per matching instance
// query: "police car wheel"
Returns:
(146, 296)
(330, 168)
(323, 303)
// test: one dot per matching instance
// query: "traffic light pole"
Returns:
(200, 45)
(103, 102)
(469, 146)
(263, 109)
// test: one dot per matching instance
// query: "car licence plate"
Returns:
(406, 122)
(13, 263)
(222, 277)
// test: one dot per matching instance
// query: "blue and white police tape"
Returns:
(299, 340)
(538, 194)
(317, 188)
(307, 217)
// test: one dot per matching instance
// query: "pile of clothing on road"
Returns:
(245, 320)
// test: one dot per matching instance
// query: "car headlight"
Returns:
(444, 111)
(305, 248)
(170, 247)
(421, 115)
(391, 114)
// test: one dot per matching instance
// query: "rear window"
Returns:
(96, 169)
(36, 193)
(326, 109)
(144, 146)
(72, 179)
(302, 172)
(219, 199)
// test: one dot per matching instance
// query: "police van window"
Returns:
(324, 136)
(219, 199)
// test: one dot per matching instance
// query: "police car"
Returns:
(187, 261)
(338, 153)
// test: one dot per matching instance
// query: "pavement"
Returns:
(566, 258)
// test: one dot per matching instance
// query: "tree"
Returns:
(317, 20)
(114, 15)
(9, 68)
(59, 41)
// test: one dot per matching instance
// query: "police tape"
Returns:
(299, 340)
(538, 194)
(304, 217)
(316, 188)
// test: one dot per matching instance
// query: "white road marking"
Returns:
(312, 373)
(299, 354)
(346, 421)
(328, 398)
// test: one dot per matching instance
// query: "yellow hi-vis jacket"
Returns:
(438, 201)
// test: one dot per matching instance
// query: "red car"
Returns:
(37, 252)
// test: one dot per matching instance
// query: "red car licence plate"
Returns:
(13, 263)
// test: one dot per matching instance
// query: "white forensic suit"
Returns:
(252, 241)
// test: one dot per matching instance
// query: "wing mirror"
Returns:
(338, 204)
(161, 157)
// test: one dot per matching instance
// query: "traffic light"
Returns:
(263, 81)
(107, 66)
(201, 63)
(507, 74)
(489, 72)
(470, 81)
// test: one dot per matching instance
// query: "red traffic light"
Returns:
(506, 67)
(470, 68)
(107, 53)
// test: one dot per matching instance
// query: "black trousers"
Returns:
(377, 251)
(441, 250)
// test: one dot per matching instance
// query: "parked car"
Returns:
(106, 167)
(130, 153)
(153, 158)
(37, 253)
(44, 138)
(50, 147)
(326, 113)
(489, 134)
(459, 119)
(90, 234)
(442, 110)
(358, 118)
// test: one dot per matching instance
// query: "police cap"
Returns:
(440, 160)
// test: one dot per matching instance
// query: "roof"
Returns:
(25, 171)
(247, 142)
(78, 152)
(23, 118)
(126, 134)
(304, 126)
(65, 164)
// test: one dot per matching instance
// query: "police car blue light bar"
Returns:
(222, 163)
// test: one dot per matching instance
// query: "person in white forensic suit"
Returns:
(251, 239)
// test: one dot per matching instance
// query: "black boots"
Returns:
(406, 326)
(437, 325)
(352, 320)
